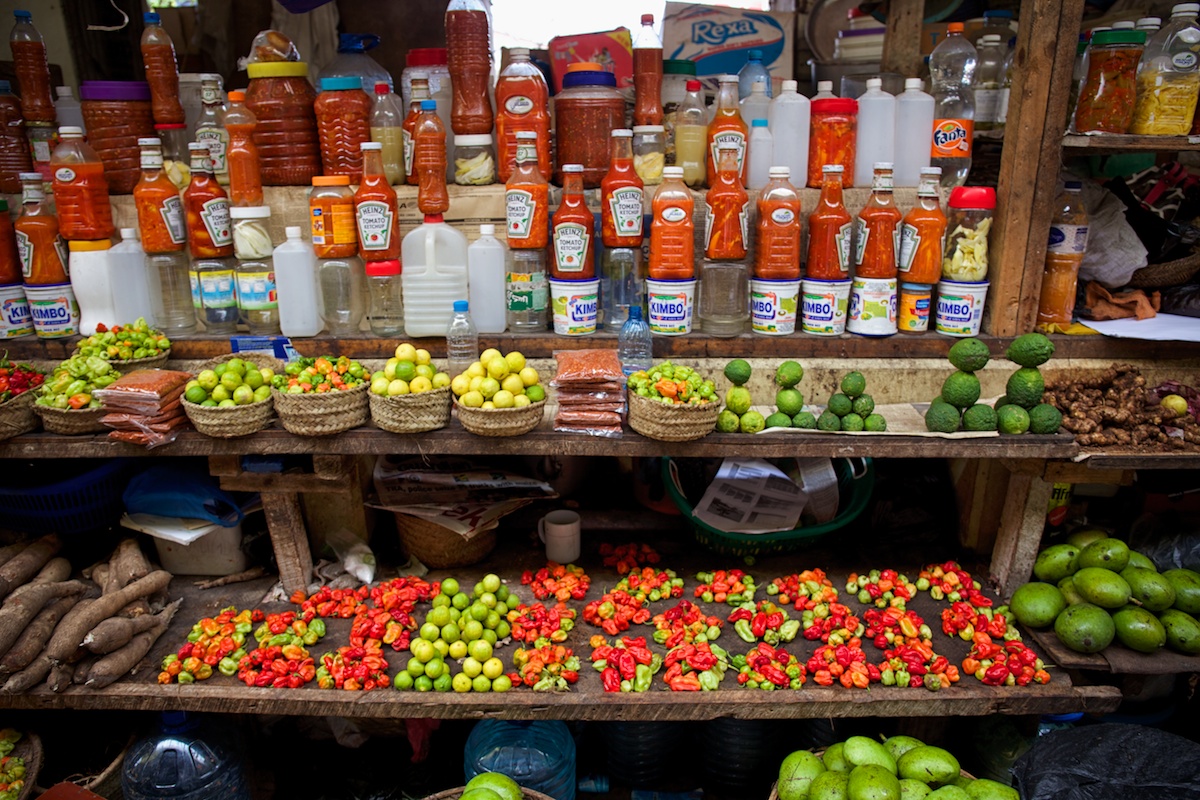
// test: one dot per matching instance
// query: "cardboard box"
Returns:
(717, 38)
(612, 50)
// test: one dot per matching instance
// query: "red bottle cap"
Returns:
(382, 269)
(835, 105)
(425, 57)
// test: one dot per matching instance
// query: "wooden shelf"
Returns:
(1116, 658)
(1131, 458)
(1108, 143)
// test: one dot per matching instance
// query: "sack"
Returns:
(179, 491)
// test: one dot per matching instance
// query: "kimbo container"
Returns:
(574, 304)
(823, 306)
(54, 310)
(773, 306)
(916, 300)
(15, 319)
(872, 307)
(671, 305)
(959, 307)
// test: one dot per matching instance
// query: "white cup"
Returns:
(559, 530)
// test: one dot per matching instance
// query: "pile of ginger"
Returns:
(1116, 408)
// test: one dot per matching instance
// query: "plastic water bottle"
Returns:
(462, 339)
(537, 755)
(952, 68)
(789, 118)
(875, 140)
(754, 70)
(485, 280)
(186, 760)
(989, 82)
(761, 155)
(914, 132)
(757, 104)
(67, 107)
(634, 343)
(296, 282)
(131, 280)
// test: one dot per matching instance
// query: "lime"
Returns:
(196, 394)
(852, 422)
(449, 587)
(829, 421)
(253, 379)
(480, 683)
(727, 421)
(461, 683)
(402, 681)
(405, 370)
(751, 422)
(789, 401)
(737, 400)
(498, 782)
(779, 420)
(875, 423)
(423, 684)
(854, 384)
(804, 419)
(535, 393)
(1012, 419)
(788, 374)
(969, 355)
(737, 371)
(491, 582)
(840, 404)
(864, 404)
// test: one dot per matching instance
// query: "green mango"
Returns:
(987, 789)
(899, 745)
(835, 758)
(796, 775)
(949, 793)
(1152, 590)
(830, 786)
(872, 782)
(1187, 589)
(1056, 562)
(860, 750)
(929, 765)
(913, 790)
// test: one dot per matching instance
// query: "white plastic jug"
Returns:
(131, 280)
(876, 131)
(296, 282)
(92, 281)
(435, 275)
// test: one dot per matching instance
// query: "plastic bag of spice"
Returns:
(588, 367)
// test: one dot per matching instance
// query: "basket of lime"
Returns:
(231, 395)
(499, 395)
(409, 395)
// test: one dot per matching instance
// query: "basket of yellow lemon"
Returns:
(499, 395)
(408, 395)
(231, 396)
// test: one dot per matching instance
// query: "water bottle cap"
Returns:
(954, 27)
(1180, 9)
(70, 132)
(994, 38)
(790, 86)
(1122, 25)
(647, 19)
(754, 55)
(151, 18)
(518, 53)
(429, 105)
(1147, 22)
(693, 85)
(672, 172)
(779, 172)
(635, 312)
(874, 83)
(487, 229)
(460, 306)
(293, 231)
(22, 15)
(129, 233)
(914, 83)
(758, 123)
(383, 269)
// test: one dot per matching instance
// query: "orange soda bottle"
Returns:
(672, 232)
(829, 230)
(877, 229)
(777, 257)
(429, 161)
(725, 235)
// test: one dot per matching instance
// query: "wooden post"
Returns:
(1021, 524)
(1029, 166)
(289, 539)
(902, 42)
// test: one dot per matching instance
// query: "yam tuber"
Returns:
(9, 551)
(26, 603)
(56, 569)
(114, 665)
(26, 564)
(81, 668)
(33, 639)
(60, 677)
(126, 566)
(115, 632)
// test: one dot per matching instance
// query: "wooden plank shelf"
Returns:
(1108, 143)
(1116, 658)
(1131, 458)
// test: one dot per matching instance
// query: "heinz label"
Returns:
(570, 246)
(520, 207)
(952, 138)
(626, 206)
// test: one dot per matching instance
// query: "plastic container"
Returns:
(833, 139)
(296, 281)
(761, 155)
(672, 229)
(429, 160)
(257, 297)
(522, 104)
(216, 282)
(15, 157)
(117, 114)
(672, 304)
(251, 236)
(462, 339)
(385, 306)
(474, 160)
(647, 74)
(176, 162)
(824, 306)
(331, 217)
(217, 552)
(875, 139)
(914, 133)
(777, 243)
(435, 275)
(622, 287)
(469, 52)
(160, 213)
(527, 200)
(32, 69)
(185, 760)
(573, 238)
(916, 300)
(54, 310)
(753, 70)
(773, 306)
(690, 136)
(43, 138)
(728, 206)
(576, 305)
(162, 72)
(15, 318)
(93, 283)
(376, 212)
(132, 282)
(1168, 77)
(1109, 94)
(485, 280)
(431, 64)
(968, 222)
(649, 153)
(726, 127)
(587, 111)
(1064, 255)
(281, 98)
(537, 755)
(172, 296)
(756, 105)
(960, 307)
(352, 61)
(343, 113)
(635, 347)
(343, 294)
(872, 307)
(241, 156)
(789, 118)
(387, 128)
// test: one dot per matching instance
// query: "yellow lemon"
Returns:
(497, 368)
(503, 399)
(529, 376)
(520, 401)
(406, 352)
(379, 385)
(489, 387)
(489, 354)
(397, 387)
(460, 385)
(472, 399)
(389, 369)
(425, 371)
(516, 361)
(475, 383)
(420, 384)
(514, 384)
(440, 379)
(488, 404)
(422, 356)
(476, 370)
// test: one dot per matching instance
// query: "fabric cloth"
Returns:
(315, 34)
(1103, 304)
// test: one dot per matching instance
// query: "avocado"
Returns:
(797, 773)
(899, 745)
(979, 417)
(961, 389)
(1025, 388)
(1085, 628)
(1102, 587)
(860, 750)
(969, 355)
(928, 764)
(1030, 350)
(829, 786)
(1037, 605)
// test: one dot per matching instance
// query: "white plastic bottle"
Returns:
(757, 104)
(462, 339)
(789, 119)
(296, 284)
(761, 155)
(485, 280)
(824, 91)
(131, 279)
(67, 108)
(435, 275)
(876, 128)
(914, 133)
(92, 282)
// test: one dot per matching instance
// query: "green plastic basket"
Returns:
(854, 493)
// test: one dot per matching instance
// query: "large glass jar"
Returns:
(282, 100)
(832, 140)
(251, 234)
(968, 222)
(649, 153)
(1109, 94)
(587, 111)
(117, 114)
(343, 113)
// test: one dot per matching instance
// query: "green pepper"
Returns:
(709, 680)
(310, 638)
(185, 677)
(789, 629)
(902, 678)
(600, 665)
(238, 655)
(279, 640)
(660, 636)
(739, 661)
(227, 667)
(642, 678)
(713, 632)
(194, 635)
(742, 628)
(317, 625)
(168, 660)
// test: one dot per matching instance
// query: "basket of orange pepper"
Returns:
(322, 396)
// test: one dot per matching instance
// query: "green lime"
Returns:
(196, 394)
(804, 419)
(1012, 419)
(852, 422)
(854, 384)
(840, 404)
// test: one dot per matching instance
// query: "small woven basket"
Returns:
(454, 794)
(17, 417)
(230, 422)
(260, 361)
(323, 414)
(30, 750)
(412, 413)
(71, 421)
(130, 364)
(438, 547)
(1166, 274)
(671, 423)
(501, 421)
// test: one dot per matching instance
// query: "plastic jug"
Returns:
(92, 280)
(434, 255)
(131, 281)
(914, 132)
(876, 131)
(296, 281)
(186, 760)
(788, 118)
(485, 262)
(352, 61)
(537, 755)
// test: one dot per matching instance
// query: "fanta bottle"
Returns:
(672, 232)
(952, 70)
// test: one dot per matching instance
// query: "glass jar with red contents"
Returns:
(281, 99)
(587, 110)
(117, 114)
(834, 126)
(1109, 93)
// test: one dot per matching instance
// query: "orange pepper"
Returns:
(666, 388)
(78, 401)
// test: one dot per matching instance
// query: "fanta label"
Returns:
(952, 138)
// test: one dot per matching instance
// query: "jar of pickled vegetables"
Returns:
(117, 114)
(474, 160)
(649, 152)
(176, 161)
(831, 141)
(282, 100)
(968, 221)
(587, 111)
(251, 232)
(1109, 94)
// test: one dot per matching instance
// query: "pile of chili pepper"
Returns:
(806, 589)
(685, 623)
(963, 620)
(881, 588)
(551, 668)
(626, 665)
(766, 667)
(888, 626)
(952, 582)
(695, 667)
(282, 629)
(562, 582)
(403, 593)
(647, 585)
(615, 612)
(17, 379)
(286, 667)
(354, 668)
(832, 624)
(1009, 664)
(210, 640)
(914, 663)
(845, 664)
(326, 602)
(765, 622)
(539, 625)
(625, 557)
(377, 627)
(733, 587)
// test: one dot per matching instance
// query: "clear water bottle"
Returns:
(343, 294)
(537, 755)
(462, 340)
(952, 68)
(754, 70)
(186, 760)
(175, 300)
(634, 343)
(989, 82)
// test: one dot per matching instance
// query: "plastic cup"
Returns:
(773, 306)
(671, 306)
(15, 318)
(823, 306)
(960, 307)
(54, 309)
(575, 304)
(872, 307)
(916, 299)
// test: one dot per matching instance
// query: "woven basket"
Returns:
(1169, 273)
(671, 423)
(230, 422)
(107, 784)
(438, 547)
(71, 421)
(270, 362)
(323, 414)
(17, 417)
(454, 794)
(30, 750)
(412, 413)
(153, 362)
(501, 421)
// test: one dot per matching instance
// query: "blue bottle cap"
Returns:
(635, 312)
(758, 123)
(459, 305)
(754, 55)
(429, 105)
(151, 18)
(21, 14)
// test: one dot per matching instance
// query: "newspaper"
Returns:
(750, 495)
(406, 480)
(466, 519)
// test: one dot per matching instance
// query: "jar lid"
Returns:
(649, 129)
(621, 133)
(426, 57)
(170, 126)
(70, 132)
(1119, 37)
(341, 83)
(364, 146)
(672, 172)
(331, 180)
(114, 90)
(250, 212)
(473, 140)
(88, 245)
(572, 168)
(237, 96)
(382, 269)
(916, 287)
(779, 172)
(835, 105)
(679, 66)
(277, 69)
(149, 141)
(973, 197)
(585, 66)
(129, 233)
(596, 77)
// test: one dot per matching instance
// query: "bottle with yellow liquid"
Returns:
(691, 135)
(387, 128)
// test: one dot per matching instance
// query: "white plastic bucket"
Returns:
(574, 304)
(773, 306)
(54, 310)
(671, 306)
(823, 306)
(15, 319)
(872, 307)
(960, 307)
